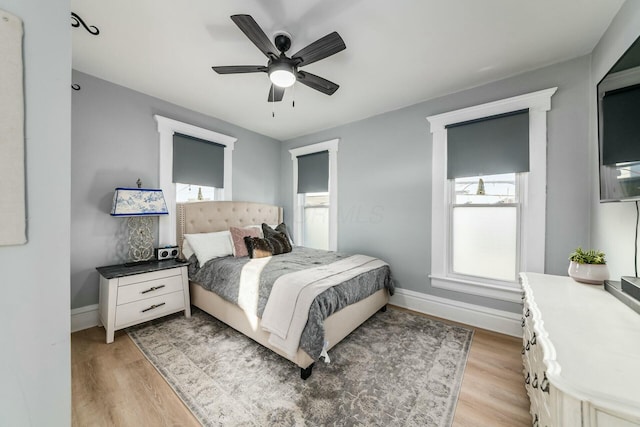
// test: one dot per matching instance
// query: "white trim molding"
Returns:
(332, 147)
(84, 317)
(533, 226)
(478, 316)
(166, 128)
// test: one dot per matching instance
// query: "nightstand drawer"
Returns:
(147, 289)
(149, 308)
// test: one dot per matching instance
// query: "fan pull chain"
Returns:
(273, 101)
(294, 96)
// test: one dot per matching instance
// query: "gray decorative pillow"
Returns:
(267, 231)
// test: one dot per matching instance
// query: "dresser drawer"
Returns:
(149, 288)
(149, 308)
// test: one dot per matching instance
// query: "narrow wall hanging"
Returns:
(12, 179)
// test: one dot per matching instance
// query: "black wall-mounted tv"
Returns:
(619, 129)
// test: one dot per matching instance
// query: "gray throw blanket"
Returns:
(222, 276)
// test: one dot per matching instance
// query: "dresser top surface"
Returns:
(596, 338)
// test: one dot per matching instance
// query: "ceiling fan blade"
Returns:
(320, 49)
(275, 93)
(318, 83)
(237, 69)
(252, 30)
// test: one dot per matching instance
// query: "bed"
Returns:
(208, 217)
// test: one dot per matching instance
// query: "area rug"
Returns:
(396, 369)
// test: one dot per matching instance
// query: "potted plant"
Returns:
(588, 266)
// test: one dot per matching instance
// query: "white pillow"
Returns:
(207, 246)
(186, 249)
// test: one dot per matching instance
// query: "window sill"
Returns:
(487, 290)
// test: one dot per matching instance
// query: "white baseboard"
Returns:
(504, 322)
(84, 317)
(475, 315)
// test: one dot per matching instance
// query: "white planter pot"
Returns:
(594, 274)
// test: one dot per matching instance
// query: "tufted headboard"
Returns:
(207, 217)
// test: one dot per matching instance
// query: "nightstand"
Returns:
(132, 294)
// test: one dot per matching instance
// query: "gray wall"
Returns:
(115, 142)
(384, 176)
(613, 223)
(35, 374)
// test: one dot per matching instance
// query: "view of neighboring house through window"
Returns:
(193, 193)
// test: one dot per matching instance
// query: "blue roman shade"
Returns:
(488, 146)
(621, 125)
(197, 161)
(313, 173)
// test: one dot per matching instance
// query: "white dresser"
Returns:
(134, 294)
(581, 354)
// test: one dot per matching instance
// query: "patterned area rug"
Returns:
(396, 369)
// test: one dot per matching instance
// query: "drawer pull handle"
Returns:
(535, 421)
(534, 339)
(544, 386)
(153, 288)
(534, 383)
(523, 350)
(527, 313)
(153, 306)
(528, 379)
(522, 296)
(523, 322)
(528, 346)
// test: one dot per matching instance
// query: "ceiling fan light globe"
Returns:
(282, 77)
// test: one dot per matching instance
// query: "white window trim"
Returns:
(533, 201)
(332, 147)
(166, 128)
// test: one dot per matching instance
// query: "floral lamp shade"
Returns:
(139, 205)
(138, 202)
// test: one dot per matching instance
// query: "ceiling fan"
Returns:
(283, 70)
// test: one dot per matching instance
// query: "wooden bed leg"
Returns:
(384, 309)
(306, 372)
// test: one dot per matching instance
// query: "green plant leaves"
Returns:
(587, 257)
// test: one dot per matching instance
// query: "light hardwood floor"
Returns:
(115, 385)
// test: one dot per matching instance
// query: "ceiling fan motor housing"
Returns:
(282, 41)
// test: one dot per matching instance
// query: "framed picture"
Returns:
(12, 160)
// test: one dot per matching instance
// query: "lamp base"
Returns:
(140, 238)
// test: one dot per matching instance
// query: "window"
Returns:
(484, 233)
(315, 185)
(485, 218)
(167, 128)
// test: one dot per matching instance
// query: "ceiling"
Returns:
(399, 52)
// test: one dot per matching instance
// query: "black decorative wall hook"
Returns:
(77, 21)
(75, 86)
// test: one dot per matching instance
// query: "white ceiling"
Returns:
(398, 52)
